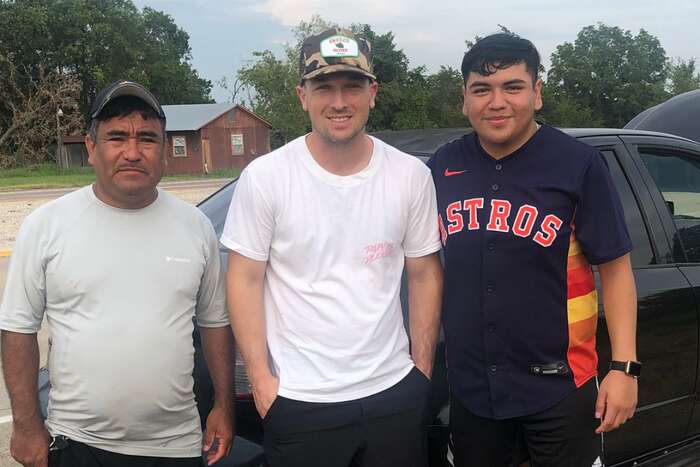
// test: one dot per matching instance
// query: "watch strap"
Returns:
(630, 367)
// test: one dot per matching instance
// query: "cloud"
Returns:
(291, 12)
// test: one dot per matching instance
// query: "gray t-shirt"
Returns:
(119, 288)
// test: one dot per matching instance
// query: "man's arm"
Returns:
(424, 302)
(244, 291)
(217, 345)
(20, 365)
(617, 397)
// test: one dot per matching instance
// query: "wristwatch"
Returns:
(630, 368)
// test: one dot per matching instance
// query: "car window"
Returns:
(677, 176)
(216, 206)
(642, 254)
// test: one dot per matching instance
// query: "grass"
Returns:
(50, 176)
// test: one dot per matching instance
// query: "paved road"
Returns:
(56, 192)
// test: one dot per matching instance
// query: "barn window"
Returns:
(237, 145)
(179, 146)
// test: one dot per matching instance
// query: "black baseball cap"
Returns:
(124, 88)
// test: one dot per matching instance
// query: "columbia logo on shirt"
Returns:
(175, 259)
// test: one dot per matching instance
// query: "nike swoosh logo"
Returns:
(449, 173)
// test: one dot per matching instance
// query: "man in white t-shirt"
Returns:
(119, 269)
(319, 232)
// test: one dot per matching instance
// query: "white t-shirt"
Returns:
(119, 288)
(335, 248)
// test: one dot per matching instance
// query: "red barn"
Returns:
(207, 137)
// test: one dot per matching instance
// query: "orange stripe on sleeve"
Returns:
(582, 331)
(583, 361)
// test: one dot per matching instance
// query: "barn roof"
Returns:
(192, 117)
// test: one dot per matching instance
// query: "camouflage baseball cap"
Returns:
(335, 50)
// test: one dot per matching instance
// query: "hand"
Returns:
(426, 368)
(617, 399)
(29, 445)
(265, 393)
(219, 428)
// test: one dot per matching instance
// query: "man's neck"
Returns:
(137, 201)
(341, 158)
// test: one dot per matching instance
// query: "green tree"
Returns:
(166, 62)
(101, 41)
(610, 71)
(29, 125)
(445, 99)
(273, 87)
(564, 112)
(682, 76)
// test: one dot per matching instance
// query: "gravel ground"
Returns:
(12, 213)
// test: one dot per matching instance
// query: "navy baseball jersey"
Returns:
(519, 235)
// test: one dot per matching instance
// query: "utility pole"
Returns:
(59, 141)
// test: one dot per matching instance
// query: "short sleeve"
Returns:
(249, 222)
(24, 297)
(599, 222)
(422, 235)
(211, 299)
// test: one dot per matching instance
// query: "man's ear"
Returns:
(90, 146)
(373, 89)
(538, 95)
(301, 94)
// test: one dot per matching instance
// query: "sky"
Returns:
(225, 33)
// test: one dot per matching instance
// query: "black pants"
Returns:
(76, 454)
(561, 436)
(386, 429)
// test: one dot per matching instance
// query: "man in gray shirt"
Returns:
(119, 269)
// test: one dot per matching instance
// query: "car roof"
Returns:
(425, 142)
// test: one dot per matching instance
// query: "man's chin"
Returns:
(341, 138)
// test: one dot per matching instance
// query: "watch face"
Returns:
(634, 368)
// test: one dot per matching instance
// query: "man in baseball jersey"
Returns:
(120, 269)
(320, 231)
(525, 210)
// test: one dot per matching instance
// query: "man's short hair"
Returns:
(500, 51)
(123, 106)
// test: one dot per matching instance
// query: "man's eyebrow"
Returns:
(479, 84)
(514, 81)
(487, 84)
(139, 134)
(153, 134)
(117, 133)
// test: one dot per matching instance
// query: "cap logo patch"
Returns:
(339, 46)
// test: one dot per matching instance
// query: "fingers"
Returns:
(600, 404)
(209, 436)
(615, 415)
(221, 450)
(608, 420)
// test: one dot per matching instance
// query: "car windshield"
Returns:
(215, 207)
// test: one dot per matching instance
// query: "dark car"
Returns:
(658, 179)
